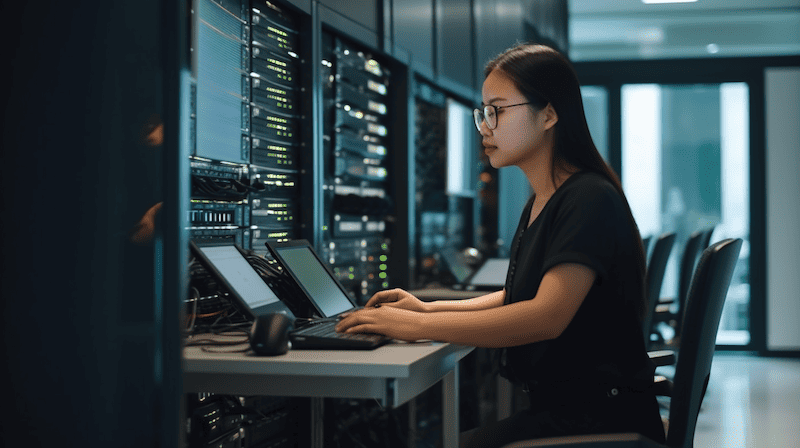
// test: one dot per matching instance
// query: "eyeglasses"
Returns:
(489, 115)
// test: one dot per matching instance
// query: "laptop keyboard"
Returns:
(323, 335)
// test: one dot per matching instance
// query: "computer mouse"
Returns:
(269, 335)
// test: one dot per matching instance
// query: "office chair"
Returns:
(663, 311)
(707, 237)
(701, 322)
(656, 265)
(695, 245)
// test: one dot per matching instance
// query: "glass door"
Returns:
(685, 167)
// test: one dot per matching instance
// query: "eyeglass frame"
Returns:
(480, 115)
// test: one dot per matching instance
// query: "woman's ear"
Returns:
(550, 116)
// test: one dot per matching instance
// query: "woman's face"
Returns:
(517, 139)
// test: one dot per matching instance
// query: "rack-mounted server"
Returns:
(357, 194)
(277, 122)
(247, 99)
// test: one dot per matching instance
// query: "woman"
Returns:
(568, 321)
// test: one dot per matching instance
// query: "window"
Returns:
(685, 167)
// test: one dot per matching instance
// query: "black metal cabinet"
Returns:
(93, 262)
(455, 49)
(363, 12)
(412, 32)
(498, 25)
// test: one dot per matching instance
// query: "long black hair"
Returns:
(543, 75)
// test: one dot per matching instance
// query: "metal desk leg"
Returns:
(450, 409)
(317, 422)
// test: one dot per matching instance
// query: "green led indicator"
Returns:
(384, 257)
(382, 275)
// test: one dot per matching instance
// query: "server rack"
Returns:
(248, 98)
(279, 126)
(249, 129)
(220, 122)
(357, 191)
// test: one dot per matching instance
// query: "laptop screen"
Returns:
(317, 281)
(491, 273)
(240, 276)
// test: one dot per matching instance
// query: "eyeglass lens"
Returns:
(488, 114)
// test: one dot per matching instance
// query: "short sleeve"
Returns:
(585, 227)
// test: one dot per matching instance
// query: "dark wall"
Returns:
(85, 357)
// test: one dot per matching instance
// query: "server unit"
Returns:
(357, 198)
(247, 122)
(220, 122)
(277, 137)
(228, 421)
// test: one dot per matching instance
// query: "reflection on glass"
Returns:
(685, 167)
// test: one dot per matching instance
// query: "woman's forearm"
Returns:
(504, 326)
(484, 302)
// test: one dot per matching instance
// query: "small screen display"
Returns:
(316, 280)
(246, 282)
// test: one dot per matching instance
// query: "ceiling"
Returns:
(630, 29)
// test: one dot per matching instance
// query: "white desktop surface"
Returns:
(392, 374)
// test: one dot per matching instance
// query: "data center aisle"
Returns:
(751, 402)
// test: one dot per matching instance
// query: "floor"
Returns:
(752, 402)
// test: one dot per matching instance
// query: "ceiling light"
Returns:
(653, 2)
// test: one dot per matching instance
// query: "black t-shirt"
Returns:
(586, 221)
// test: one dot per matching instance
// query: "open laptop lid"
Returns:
(227, 263)
(490, 276)
(455, 263)
(318, 283)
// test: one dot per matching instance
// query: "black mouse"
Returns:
(269, 334)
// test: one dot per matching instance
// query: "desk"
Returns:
(392, 374)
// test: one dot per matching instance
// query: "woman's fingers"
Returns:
(353, 319)
(388, 296)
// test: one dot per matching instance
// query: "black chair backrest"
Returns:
(707, 237)
(698, 338)
(691, 252)
(655, 277)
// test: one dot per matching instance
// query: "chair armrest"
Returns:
(663, 308)
(623, 440)
(662, 357)
(662, 386)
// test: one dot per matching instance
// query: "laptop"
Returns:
(455, 262)
(490, 276)
(226, 261)
(327, 296)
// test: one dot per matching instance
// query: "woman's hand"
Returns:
(397, 298)
(391, 321)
